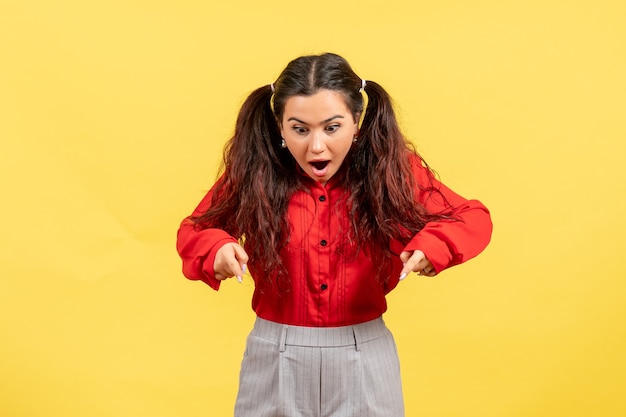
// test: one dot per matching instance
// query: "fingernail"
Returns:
(403, 275)
(244, 268)
(239, 279)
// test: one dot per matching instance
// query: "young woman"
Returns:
(326, 203)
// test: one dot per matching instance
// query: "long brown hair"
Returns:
(251, 198)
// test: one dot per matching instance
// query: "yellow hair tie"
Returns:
(365, 102)
(272, 98)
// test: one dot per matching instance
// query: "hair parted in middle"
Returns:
(259, 176)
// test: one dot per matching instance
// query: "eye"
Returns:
(299, 130)
(333, 128)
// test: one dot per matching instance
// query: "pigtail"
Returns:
(384, 204)
(381, 166)
(251, 196)
(379, 122)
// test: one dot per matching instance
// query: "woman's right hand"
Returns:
(230, 261)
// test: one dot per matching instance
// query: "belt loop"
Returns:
(357, 338)
(283, 339)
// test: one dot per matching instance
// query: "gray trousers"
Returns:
(291, 371)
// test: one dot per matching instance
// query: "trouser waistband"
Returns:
(288, 335)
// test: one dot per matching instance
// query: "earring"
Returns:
(283, 144)
(355, 138)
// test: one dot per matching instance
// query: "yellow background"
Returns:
(113, 115)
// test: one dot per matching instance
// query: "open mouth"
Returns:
(319, 165)
(319, 168)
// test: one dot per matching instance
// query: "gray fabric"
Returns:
(290, 371)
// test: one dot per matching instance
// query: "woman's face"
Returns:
(319, 131)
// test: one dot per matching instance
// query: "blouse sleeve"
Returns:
(451, 241)
(197, 247)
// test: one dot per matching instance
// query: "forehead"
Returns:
(323, 104)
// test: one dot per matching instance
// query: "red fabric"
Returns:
(326, 288)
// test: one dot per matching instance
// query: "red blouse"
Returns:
(327, 288)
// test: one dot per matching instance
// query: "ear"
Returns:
(358, 122)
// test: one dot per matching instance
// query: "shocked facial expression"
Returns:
(319, 131)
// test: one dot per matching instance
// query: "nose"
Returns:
(317, 144)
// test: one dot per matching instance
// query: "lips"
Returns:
(319, 168)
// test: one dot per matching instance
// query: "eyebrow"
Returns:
(330, 119)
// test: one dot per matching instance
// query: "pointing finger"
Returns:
(242, 259)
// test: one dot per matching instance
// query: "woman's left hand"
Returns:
(416, 261)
